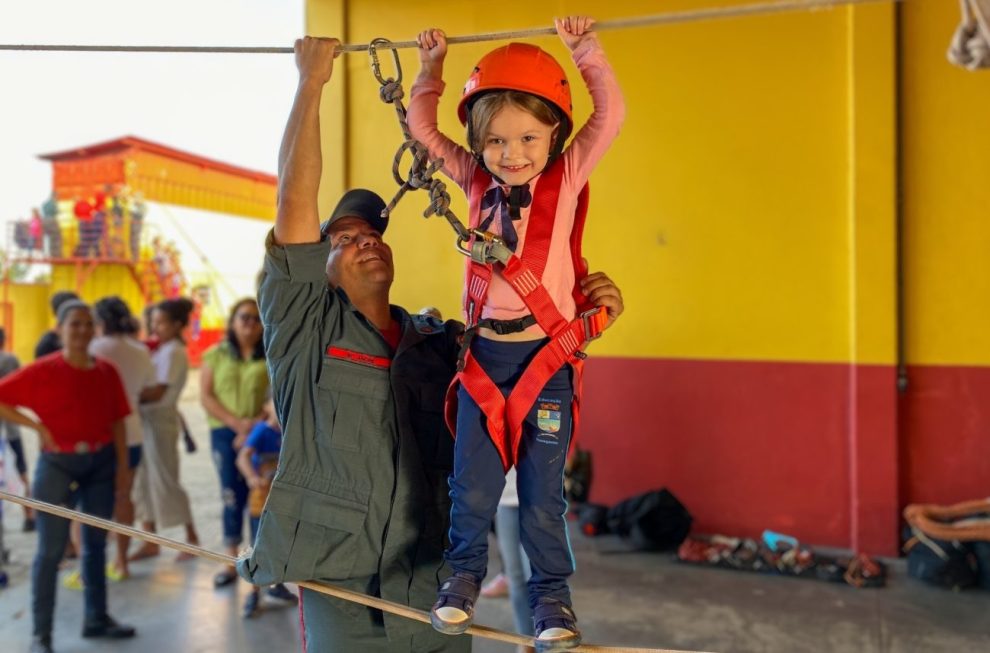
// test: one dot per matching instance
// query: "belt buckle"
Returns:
(502, 327)
(589, 326)
(82, 447)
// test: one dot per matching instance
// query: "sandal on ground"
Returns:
(73, 580)
(114, 573)
(453, 612)
(556, 626)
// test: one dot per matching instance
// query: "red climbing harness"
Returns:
(545, 79)
(505, 416)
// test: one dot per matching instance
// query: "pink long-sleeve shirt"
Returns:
(579, 158)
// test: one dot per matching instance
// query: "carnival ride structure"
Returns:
(143, 221)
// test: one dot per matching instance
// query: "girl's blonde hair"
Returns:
(486, 107)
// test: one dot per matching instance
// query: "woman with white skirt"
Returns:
(160, 501)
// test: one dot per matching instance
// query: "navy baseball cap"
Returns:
(358, 203)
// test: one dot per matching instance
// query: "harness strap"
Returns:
(490, 400)
(536, 249)
(534, 294)
(562, 349)
(479, 278)
(524, 273)
(506, 416)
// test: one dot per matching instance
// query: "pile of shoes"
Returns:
(781, 555)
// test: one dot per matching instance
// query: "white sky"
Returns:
(226, 107)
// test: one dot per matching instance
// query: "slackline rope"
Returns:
(322, 588)
(712, 13)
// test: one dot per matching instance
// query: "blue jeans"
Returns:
(477, 482)
(233, 487)
(54, 477)
(515, 566)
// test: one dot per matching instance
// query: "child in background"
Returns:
(525, 188)
(257, 461)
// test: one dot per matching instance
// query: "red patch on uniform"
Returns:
(380, 362)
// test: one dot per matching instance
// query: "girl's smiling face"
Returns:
(517, 145)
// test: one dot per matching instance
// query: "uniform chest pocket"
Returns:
(351, 405)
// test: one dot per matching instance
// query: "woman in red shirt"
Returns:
(80, 404)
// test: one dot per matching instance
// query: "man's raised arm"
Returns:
(300, 161)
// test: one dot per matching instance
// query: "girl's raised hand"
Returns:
(432, 46)
(572, 29)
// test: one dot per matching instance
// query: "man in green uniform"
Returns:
(360, 497)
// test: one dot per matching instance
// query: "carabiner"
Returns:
(486, 248)
(376, 67)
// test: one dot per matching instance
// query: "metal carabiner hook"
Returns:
(376, 66)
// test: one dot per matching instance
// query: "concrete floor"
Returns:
(621, 598)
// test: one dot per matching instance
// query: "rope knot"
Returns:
(970, 47)
(439, 198)
(391, 91)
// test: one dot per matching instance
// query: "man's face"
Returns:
(359, 259)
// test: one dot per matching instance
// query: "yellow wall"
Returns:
(945, 140)
(31, 309)
(30, 315)
(98, 281)
(747, 210)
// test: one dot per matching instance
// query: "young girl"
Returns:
(520, 182)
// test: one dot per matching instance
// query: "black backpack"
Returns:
(945, 563)
(652, 521)
(981, 550)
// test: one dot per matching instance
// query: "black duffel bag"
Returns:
(652, 521)
(944, 563)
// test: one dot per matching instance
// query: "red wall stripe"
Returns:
(945, 434)
(750, 445)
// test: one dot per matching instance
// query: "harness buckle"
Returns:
(592, 330)
(505, 327)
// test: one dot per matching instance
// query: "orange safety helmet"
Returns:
(520, 67)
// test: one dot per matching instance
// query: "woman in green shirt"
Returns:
(234, 385)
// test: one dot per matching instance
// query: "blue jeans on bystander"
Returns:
(68, 479)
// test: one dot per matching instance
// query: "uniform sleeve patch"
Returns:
(358, 357)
